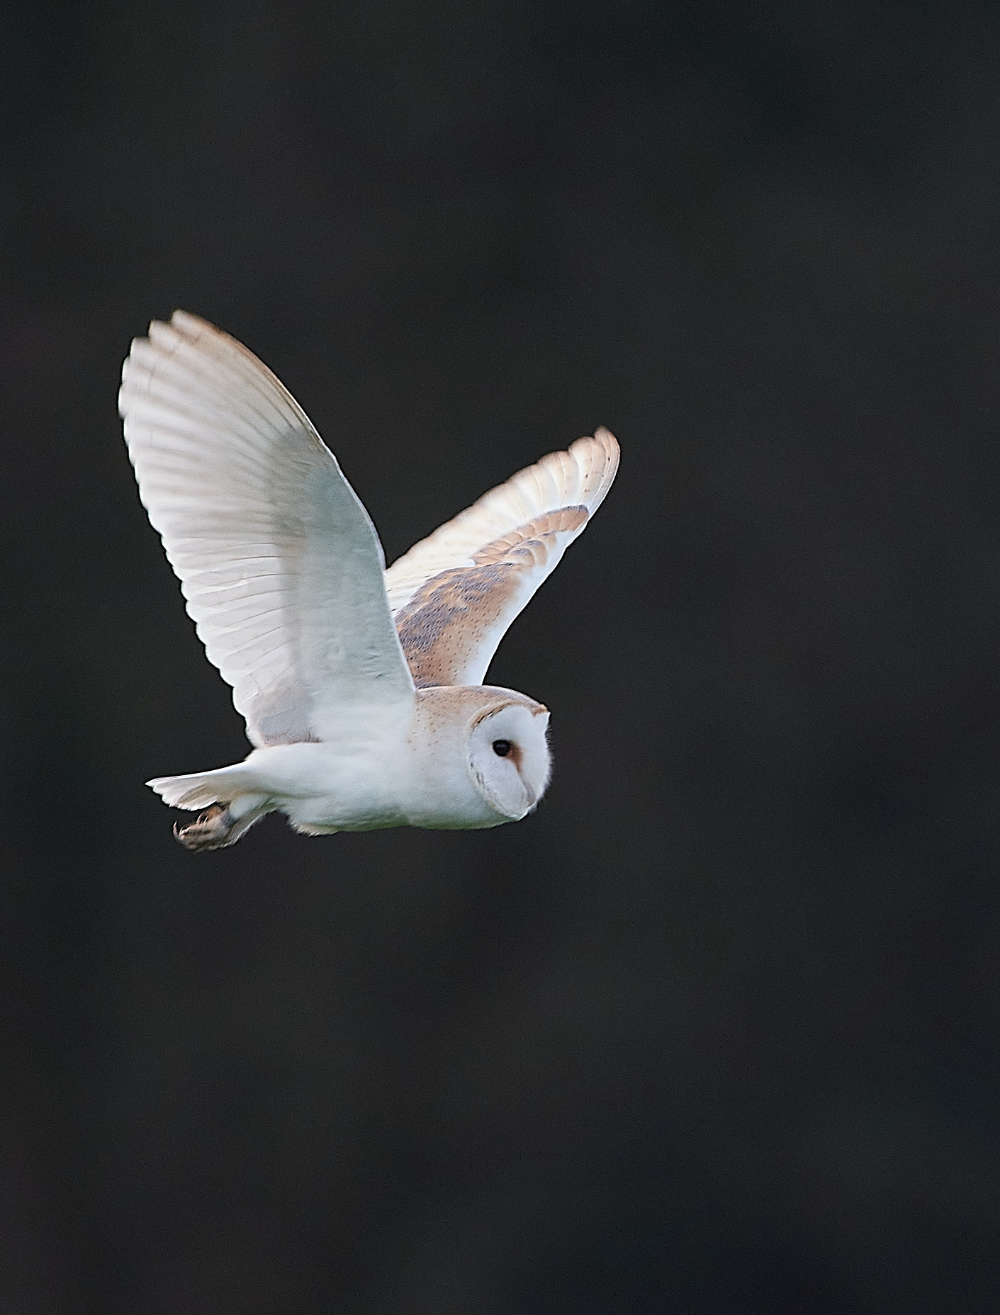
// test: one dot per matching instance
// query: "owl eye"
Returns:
(501, 748)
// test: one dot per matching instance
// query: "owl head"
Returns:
(483, 748)
(508, 756)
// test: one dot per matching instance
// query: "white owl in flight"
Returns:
(361, 687)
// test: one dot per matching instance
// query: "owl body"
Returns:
(362, 688)
(435, 764)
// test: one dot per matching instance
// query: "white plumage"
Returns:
(361, 688)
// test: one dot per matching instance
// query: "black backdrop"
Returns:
(717, 1030)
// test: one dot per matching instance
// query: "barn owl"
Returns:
(361, 687)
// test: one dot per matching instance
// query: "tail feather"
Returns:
(201, 789)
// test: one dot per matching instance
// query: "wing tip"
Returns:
(604, 436)
(193, 326)
(182, 324)
(598, 455)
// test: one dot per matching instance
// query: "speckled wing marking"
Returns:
(280, 565)
(455, 593)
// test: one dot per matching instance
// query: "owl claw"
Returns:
(213, 829)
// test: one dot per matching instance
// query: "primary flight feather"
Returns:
(361, 688)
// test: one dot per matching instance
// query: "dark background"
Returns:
(718, 1029)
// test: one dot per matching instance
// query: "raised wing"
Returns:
(278, 560)
(455, 593)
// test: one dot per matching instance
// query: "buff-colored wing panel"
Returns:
(279, 563)
(456, 592)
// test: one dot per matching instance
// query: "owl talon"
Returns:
(212, 830)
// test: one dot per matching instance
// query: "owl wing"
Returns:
(455, 593)
(279, 563)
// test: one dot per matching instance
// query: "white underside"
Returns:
(323, 788)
